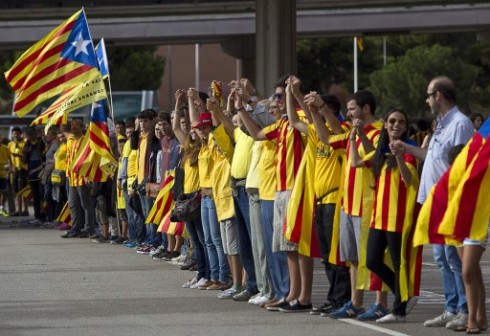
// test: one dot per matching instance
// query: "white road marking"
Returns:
(373, 327)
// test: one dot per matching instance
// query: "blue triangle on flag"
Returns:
(79, 46)
(99, 112)
(485, 128)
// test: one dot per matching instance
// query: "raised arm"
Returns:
(358, 125)
(220, 117)
(356, 160)
(291, 110)
(324, 133)
(180, 98)
(255, 131)
(298, 95)
(192, 95)
(419, 153)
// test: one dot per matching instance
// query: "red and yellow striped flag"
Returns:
(94, 159)
(163, 203)
(88, 163)
(298, 225)
(436, 204)
(169, 227)
(468, 211)
(62, 59)
(65, 215)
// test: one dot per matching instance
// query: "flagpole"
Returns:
(355, 63)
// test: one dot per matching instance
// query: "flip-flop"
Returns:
(473, 331)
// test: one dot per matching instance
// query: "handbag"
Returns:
(58, 177)
(187, 208)
(152, 189)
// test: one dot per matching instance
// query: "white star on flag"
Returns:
(81, 45)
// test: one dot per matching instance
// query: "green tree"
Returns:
(135, 68)
(403, 82)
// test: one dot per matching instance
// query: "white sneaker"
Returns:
(252, 299)
(179, 258)
(261, 300)
(460, 320)
(441, 320)
(189, 283)
(199, 283)
(391, 318)
(411, 303)
(158, 250)
(228, 294)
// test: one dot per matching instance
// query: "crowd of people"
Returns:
(249, 160)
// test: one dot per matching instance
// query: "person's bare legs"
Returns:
(171, 242)
(178, 242)
(236, 270)
(475, 288)
(306, 278)
(357, 296)
(382, 298)
(124, 229)
(294, 276)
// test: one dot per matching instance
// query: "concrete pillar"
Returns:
(275, 22)
(242, 48)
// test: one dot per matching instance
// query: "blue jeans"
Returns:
(151, 229)
(277, 261)
(242, 218)
(446, 257)
(200, 253)
(218, 263)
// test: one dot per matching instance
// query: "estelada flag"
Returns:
(163, 203)
(435, 207)
(62, 59)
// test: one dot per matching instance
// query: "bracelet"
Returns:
(321, 106)
(352, 138)
(241, 109)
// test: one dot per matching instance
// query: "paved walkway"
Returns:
(70, 287)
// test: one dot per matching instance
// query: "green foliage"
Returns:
(412, 60)
(403, 83)
(135, 68)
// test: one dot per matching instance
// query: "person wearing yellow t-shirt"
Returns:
(19, 170)
(219, 273)
(357, 202)
(82, 207)
(126, 177)
(328, 165)
(5, 166)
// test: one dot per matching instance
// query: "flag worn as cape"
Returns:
(299, 227)
(434, 208)
(163, 203)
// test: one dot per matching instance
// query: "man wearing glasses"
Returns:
(453, 128)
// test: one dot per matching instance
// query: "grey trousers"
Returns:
(82, 209)
(258, 248)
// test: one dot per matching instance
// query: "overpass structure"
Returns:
(262, 33)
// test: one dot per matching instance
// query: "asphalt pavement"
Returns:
(74, 287)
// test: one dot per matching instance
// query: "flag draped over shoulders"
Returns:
(298, 225)
(62, 59)
(442, 196)
(95, 160)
